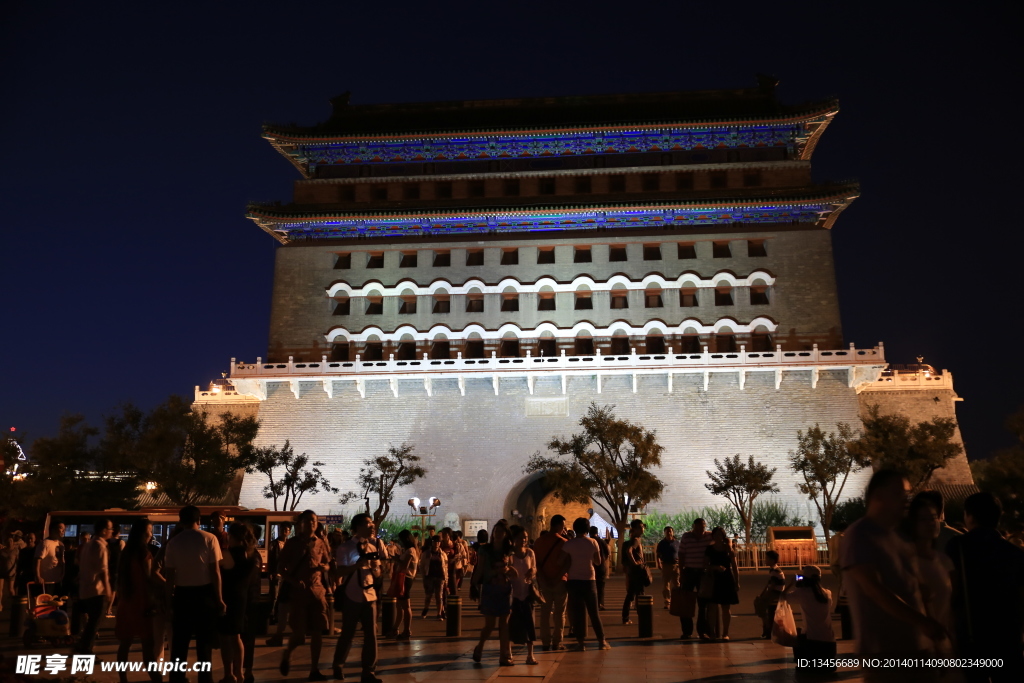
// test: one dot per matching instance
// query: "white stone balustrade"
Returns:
(862, 365)
(922, 380)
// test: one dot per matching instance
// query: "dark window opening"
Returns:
(511, 188)
(411, 191)
(617, 252)
(408, 260)
(649, 182)
(546, 186)
(546, 255)
(617, 183)
(584, 185)
(443, 190)
(688, 298)
(759, 296)
(375, 260)
(684, 181)
(379, 194)
(620, 299)
(510, 303)
(751, 180)
(406, 351)
(719, 181)
(546, 303)
(581, 255)
(720, 250)
(408, 306)
(652, 252)
(760, 342)
(474, 349)
(584, 302)
(343, 262)
(346, 193)
(373, 351)
(725, 343)
(655, 344)
(510, 257)
(723, 297)
(475, 303)
(687, 251)
(653, 300)
(476, 190)
(547, 347)
(442, 306)
(441, 350)
(690, 343)
(620, 346)
(374, 306)
(509, 348)
(474, 257)
(756, 248)
(343, 307)
(442, 259)
(339, 352)
(584, 346)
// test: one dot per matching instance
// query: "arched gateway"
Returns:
(532, 504)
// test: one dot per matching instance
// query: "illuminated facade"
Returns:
(469, 276)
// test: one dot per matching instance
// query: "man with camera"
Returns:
(358, 563)
(305, 559)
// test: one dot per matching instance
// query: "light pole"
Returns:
(423, 512)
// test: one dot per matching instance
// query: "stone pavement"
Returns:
(430, 656)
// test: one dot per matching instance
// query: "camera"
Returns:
(799, 577)
(371, 556)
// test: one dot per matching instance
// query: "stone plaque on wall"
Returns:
(547, 407)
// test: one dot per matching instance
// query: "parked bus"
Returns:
(164, 520)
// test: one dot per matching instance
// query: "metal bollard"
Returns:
(645, 615)
(388, 615)
(18, 610)
(330, 614)
(453, 617)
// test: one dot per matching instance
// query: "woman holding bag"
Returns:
(520, 622)
(494, 574)
(720, 564)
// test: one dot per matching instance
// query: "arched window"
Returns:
(547, 345)
(373, 350)
(655, 342)
(442, 301)
(584, 344)
(510, 300)
(723, 294)
(474, 346)
(374, 303)
(620, 343)
(652, 297)
(620, 297)
(759, 293)
(691, 341)
(440, 349)
(406, 348)
(339, 349)
(584, 301)
(407, 305)
(725, 341)
(546, 299)
(474, 301)
(509, 346)
(761, 339)
(343, 306)
(688, 295)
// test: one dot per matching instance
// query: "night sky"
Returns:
(132, 144)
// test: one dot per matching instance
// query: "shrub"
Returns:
(847, 512)
(391, 526)
(724, 516)
(768, 513)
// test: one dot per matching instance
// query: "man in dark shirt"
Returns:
(988, 592)
(601, 572)
(667, 558)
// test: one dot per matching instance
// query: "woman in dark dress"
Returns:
(138, 581)
(236, 571)
(720, 560)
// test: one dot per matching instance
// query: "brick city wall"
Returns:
(475, 446)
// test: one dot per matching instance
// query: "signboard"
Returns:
(333, 522)
(470, 527)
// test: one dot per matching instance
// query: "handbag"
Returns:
(641, 571)
(761, 602)
(495, 599)
(397, 587)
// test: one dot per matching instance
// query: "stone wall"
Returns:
(475, 446)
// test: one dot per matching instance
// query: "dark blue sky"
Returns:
(132, 144)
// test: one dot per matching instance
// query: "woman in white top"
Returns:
(580, 556)
(401, 583)
(520, 623)
(814, 603)
(923, 524)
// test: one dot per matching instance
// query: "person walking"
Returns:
(273, 557)
(922, 528)
(666, 558)
(402, 580)
(26, 572)
(521, 630)
(493, 575)
(94, 583)
(236, 571)
(114, 547)
(635, 566)
(771, 594)
(720, 561)
(551, 579)
(457, 561)
(988, 592)
(304, 561)
(49, 565)
(8, 569)
(601, 571)
(880, 576)
(692, 548)
(435, 567)
(359, 565)
(139, 585)
(581, 556)
(191, 566)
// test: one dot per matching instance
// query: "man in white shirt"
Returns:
(93, 582)
(50, 559)
(359, 565)
(581, 555)
(191, 567)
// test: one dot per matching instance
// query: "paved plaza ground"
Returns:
(430, 656)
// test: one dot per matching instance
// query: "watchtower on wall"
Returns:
(468, 276)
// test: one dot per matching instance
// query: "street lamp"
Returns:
(424, 511)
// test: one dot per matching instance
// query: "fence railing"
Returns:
(753, 556)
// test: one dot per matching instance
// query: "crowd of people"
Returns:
(914, 586)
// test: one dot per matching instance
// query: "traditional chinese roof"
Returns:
(818, 205)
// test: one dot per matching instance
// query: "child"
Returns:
(772, 592)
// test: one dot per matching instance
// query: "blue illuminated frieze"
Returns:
(291, 228)
(314, 153)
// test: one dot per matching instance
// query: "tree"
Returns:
(380, 477)
(741, 483)
(609, 462)
(1002, 475)
(824, 463)
(188, 455)
(293, 480)
(892, 442)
